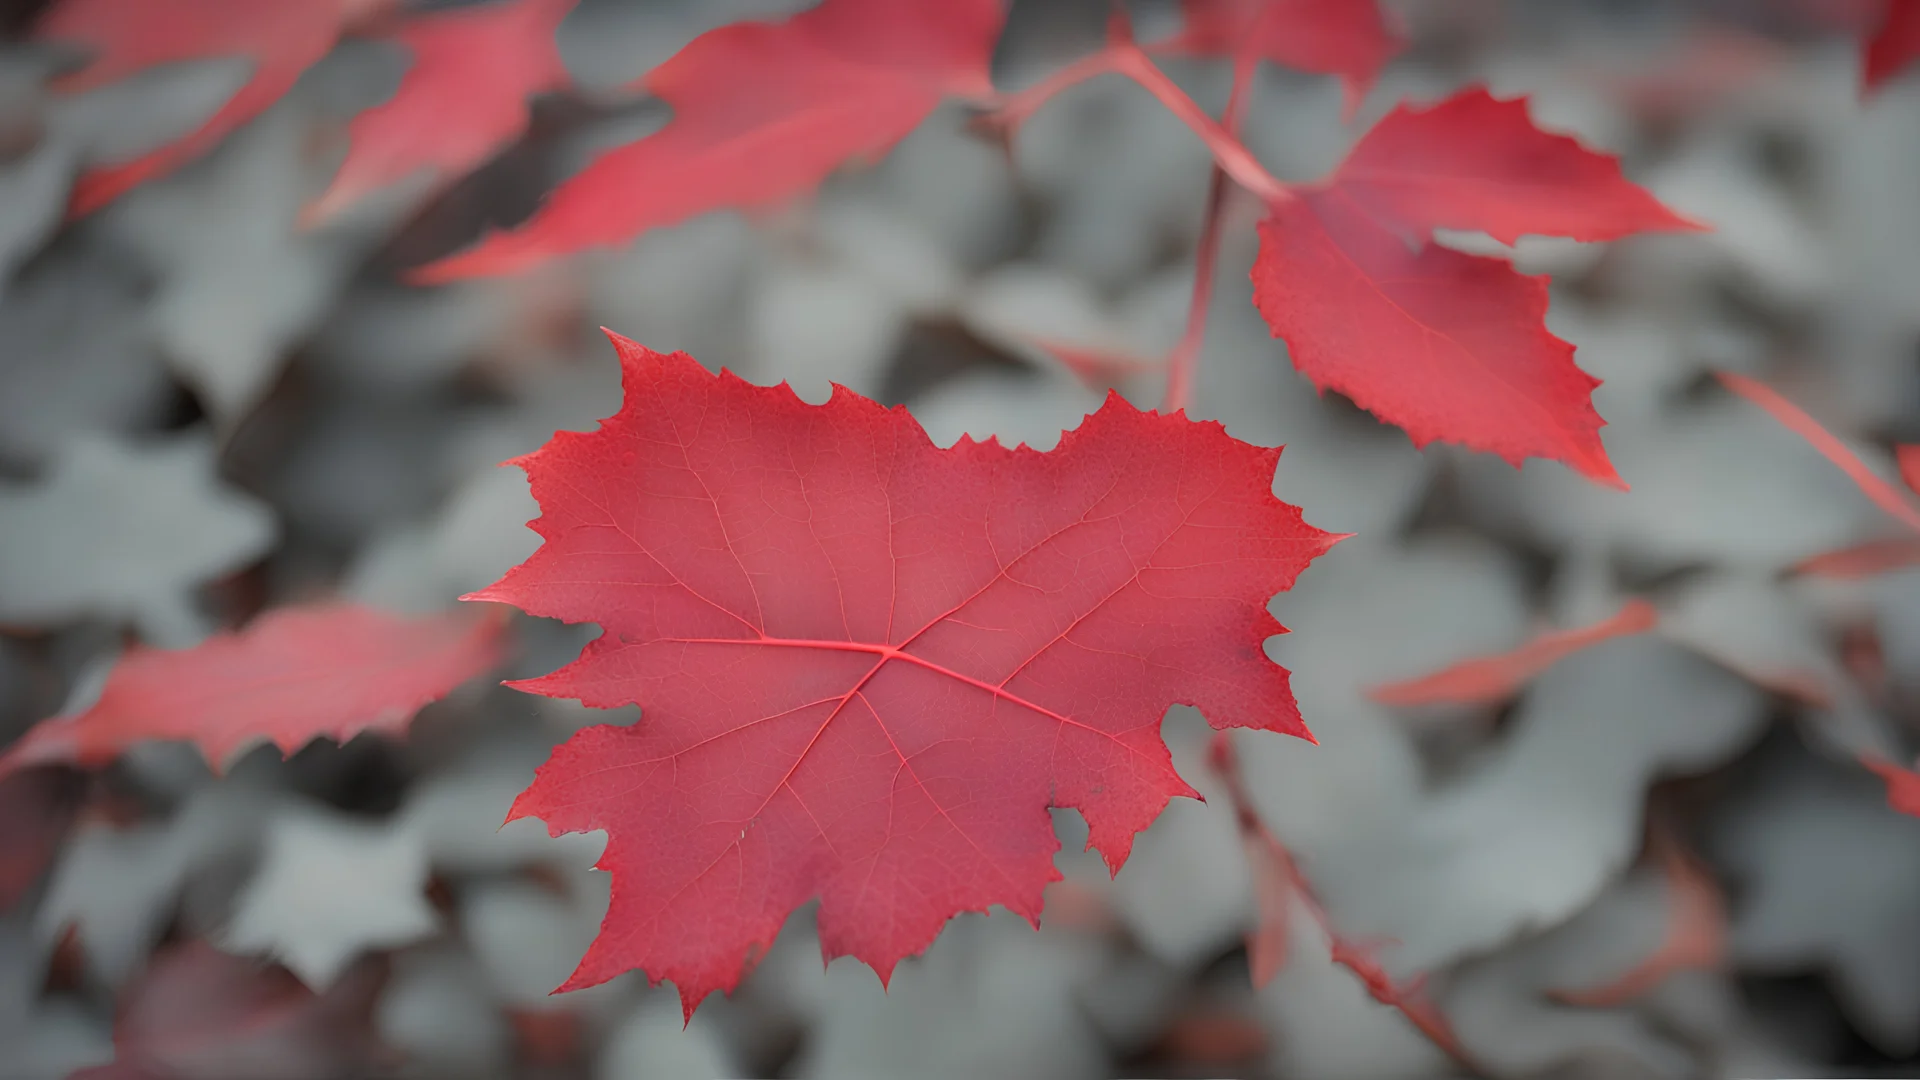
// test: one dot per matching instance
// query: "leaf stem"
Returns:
(1233, 158)
(1184, 361)
(1123, 56)
(1015, 109)
(1405, 997)
(1795, 419)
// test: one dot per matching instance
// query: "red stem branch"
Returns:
(1124, 57)
(1404, 997)
(1014, 109)
(1228, 153)
(1184, 361)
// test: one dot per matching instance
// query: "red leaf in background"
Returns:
(867, 665)
(1096, 368)
(1908, 455)
(282, 38)
(35, 809)
(197, 1011)
(464, 97)
(1487, 679)
(1894, 46)
(1860, 560)
(1442, 344)
(293, 675)
(1696, 937)
(1863, 560)
(1278, 883)
(1794, 419)
(1213, 1036)
(1349, 38)
(762, 112)
(1903, 785)
(1476, 162)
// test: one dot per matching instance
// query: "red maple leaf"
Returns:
(1485, 679)
(1349, 38)
(867, 665)
(1443, 344)
(762, 112)
(1863, 560)
(464, 97)
(282, 38)
(1894, 46)
(293, 675)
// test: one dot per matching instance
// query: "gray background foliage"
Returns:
(205, 411)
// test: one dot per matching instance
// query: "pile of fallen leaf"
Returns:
(912, 663)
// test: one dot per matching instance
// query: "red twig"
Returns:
(1487, 679)
(1185, 358)
(1884, 495)
(1357, 957)
(1695, 938)
(1124, 57)
(1232, 160)
(1228, 153)
(1015, 109)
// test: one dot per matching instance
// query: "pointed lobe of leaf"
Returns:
(1489, 679)
(282, 38)
(1894, 46)
(293, 675)
(463, 99)
(1475, 162)
(1349, 38)
(762, 112)
(867, 666)
(1444, 345)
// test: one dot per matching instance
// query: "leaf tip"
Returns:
(536, 685)
(493, 255)
(1740, 384)
(1595, 465)
(1683, 223)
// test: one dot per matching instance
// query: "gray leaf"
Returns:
(116, 532)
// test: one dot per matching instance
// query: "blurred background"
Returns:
(1661, 859)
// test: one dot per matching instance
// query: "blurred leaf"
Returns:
(121, 532)
(198, 1012)
(294, 674)
(762, 112)
(329, 890)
